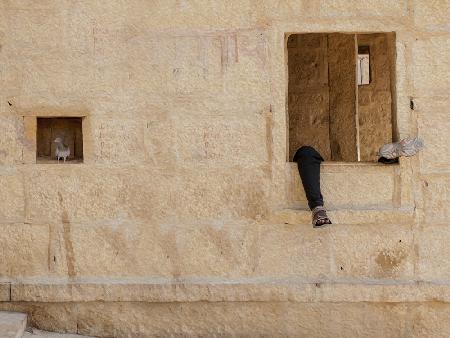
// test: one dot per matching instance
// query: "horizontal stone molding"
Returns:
(269, 290)
(348, 216)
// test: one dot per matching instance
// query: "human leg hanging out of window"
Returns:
(308, 161)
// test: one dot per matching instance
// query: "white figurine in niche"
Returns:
(62, 151)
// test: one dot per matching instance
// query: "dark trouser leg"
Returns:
(308, 161)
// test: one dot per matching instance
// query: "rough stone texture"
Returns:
(434, 128)
(214, 290)
(244, 318)
(432, 15)
(185, 217)
(45, 334)
(308, 97)
(342, 82)
(12, 324)
(432, 253)
(436, 210)
(431, 57)
(24, 250)
(374, 99)
(343, 186)
(5, 290)
(339, 8)
(11, 140)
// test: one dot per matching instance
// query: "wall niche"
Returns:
(68, 129)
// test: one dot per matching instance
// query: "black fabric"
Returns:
(308, 162)
(387, 160)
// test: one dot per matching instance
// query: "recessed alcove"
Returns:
(341, 94)
(68, 129)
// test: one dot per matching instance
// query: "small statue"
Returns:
(62, 151)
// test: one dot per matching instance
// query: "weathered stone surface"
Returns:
(242, 318)
(346, 216)
(57, 317)
(431, 57)
(368, 8)
(219, 141)
(432, 14)
(431, 320)
(161, 290)
(373, 251)
(11, 140)
(114, 140)
(434, 128)
(308, 93)
(349, 186)
(433, 252)
(12, 324)
(45, 334)
(24, 250)
(12, 207)
(342, 82)
(375, 99)
(174, 223)
(5, 289)
(436, 198)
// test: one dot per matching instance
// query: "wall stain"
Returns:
(389, 261)
(70, 256)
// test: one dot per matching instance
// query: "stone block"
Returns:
(29, 139)
(431, 57)
(71, 193)
(348, 186)
(5, 289)
(431, 320)
(434, 129)
(56, 317)
(213, 289)
(169, 251)
(12, 207)
(11, 140)
(432, 14)
(347, 216)
(360, 8)
(112, 140)
(223, 141)
(244, 319)
(24, 250)
(373, 251)
(436, 198)
(231, 251)
(291, 251)
(240, 318)
(342, 82)
(432, 252)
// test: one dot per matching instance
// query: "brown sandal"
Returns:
(319, 217)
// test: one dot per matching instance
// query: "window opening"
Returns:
(363, 65)
(339, 94)
(62, 133)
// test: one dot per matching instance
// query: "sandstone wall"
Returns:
(308, 93)
(184, 206)
(375, 99)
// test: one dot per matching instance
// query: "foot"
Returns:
(406, 147)
(319, 217)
